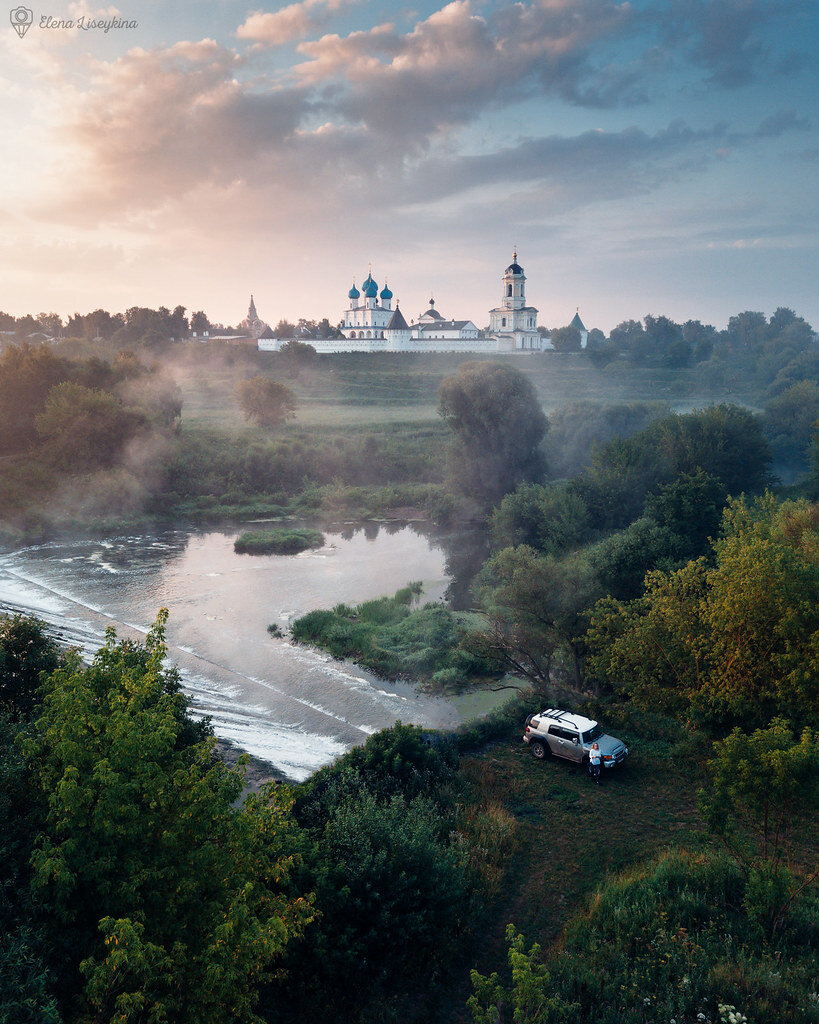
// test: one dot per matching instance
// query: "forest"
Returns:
(653, 562)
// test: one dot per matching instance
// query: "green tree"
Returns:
(26, 651)
(498, 426)
(788, 421)
(529, 998)
(299, 352)
(284, 329)
(26, 980)
(576, 429)
(82, 428)
(533, 603)
(101, 324)
(267, 403)
(621, 560)
(763, 792)
(27, 375)
(669, 941)
(200, 322)
(167, 901)
(733, 644)
(691, 506)
(566, 339)
(548, 518)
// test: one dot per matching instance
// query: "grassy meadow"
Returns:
(355, 390)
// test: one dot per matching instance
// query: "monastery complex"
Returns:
(372, 324)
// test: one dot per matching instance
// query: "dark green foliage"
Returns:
(566, 339)
(533, 604)
(83, 429)
(691, 506)
(277, 542)
(723, 441)
(732, 644)
(679, 521)
(393, 639)
(498, 425)
(391, 893)
(27, 983)
(669, 942)
(26, 651)
(27, 374)
(548, 518)
(763, 794)
(621, 561)
(401, 761)
(789, 420)
(163, 898)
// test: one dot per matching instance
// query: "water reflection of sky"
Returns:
(290, 705)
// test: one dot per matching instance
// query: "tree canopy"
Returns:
(733, 644)
(266, 402)
(498, 425)
(169, 904)
(26, 651)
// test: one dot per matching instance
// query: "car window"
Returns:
(564, 734)
(593, 734)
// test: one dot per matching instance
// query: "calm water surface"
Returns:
(291, 706)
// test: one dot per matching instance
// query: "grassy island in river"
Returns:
(277, 542)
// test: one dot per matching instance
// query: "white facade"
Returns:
(371, 324)
(513, 323)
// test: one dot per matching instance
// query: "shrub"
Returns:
(277, 542)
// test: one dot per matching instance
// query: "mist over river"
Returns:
(291, 706)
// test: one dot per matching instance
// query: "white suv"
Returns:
(570, 736)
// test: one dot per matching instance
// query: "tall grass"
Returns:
(397, 640)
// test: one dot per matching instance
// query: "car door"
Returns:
(561, 742)
(574, 748)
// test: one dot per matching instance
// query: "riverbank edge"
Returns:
(13, 538)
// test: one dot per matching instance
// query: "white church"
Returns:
(371, 324)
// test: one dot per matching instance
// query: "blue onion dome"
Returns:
(514, 267)
(354, 293)
(370, 288)
(385, 292)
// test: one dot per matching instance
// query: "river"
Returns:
(291, 706)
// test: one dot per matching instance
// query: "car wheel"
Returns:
(538, 751)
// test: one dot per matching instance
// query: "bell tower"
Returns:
(514, 323)
(514, 285)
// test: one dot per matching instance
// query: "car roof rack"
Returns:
(557, 714)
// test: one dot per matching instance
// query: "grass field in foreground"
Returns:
(569, 836)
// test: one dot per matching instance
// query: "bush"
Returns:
(277, 542)
(389, 637)
(670, 942)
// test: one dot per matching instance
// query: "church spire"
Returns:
(251, 310)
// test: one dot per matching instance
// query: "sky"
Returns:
(646, 157)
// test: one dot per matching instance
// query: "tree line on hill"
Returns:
(141, 325)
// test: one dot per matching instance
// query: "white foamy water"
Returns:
(294, 707)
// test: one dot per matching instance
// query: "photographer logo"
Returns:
(21, 19)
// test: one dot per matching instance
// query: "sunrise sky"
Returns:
(658, 156)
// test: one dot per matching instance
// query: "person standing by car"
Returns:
(595, 758)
